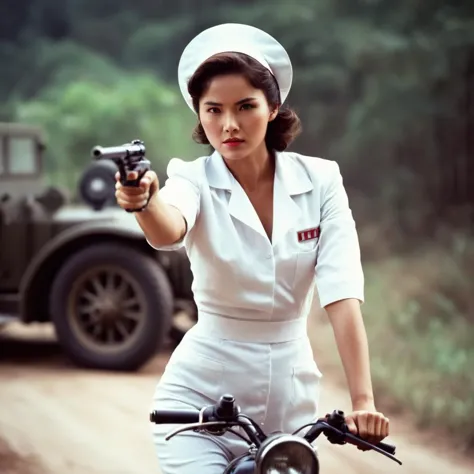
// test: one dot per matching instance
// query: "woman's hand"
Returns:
(369, 424)
(130, 197)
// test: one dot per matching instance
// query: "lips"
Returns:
(233, 142)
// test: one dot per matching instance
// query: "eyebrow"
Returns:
(241, 101)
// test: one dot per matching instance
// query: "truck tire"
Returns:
(112, 307)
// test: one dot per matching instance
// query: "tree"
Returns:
(82, 114)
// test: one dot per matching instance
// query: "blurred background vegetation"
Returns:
(386, 89)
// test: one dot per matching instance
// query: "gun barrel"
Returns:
(119, 152)
(109, 152)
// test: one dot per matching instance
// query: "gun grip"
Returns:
(135, 183)
(141, 168)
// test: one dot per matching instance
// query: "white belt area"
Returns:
(248, 330)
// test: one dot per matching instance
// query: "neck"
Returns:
(253, 170)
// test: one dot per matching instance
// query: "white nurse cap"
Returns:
(237, 38)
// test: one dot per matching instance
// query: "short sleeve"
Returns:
(182, 191)
(339, 273)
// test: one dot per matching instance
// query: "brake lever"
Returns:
(359, 441)
(200, 426)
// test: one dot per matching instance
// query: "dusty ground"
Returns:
(57, 419)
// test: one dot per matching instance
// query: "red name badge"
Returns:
(308, 234)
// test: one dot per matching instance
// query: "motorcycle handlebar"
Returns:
(335, 429)
(388, 448)
(160, 417)
(335, 435)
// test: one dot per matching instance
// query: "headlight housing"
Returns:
(286, 454)
(97, 184)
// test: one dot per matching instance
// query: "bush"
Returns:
(421, 309)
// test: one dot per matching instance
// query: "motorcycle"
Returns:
(275, 453)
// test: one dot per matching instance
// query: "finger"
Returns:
(378, 424)
(361, 421)
(145, 183)
(120, 195)
(132, 175)
(385, 431)
(123, 196)
(151, 178)
(124, 204)
(351, 425)
(154, 187)
(364, 425)
(371, 420)
(151, 175)
(130, 190)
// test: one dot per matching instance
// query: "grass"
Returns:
(419, 315)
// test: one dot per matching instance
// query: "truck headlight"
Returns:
(286, 454)
(97, 184)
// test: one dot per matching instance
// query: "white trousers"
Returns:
(275, 383)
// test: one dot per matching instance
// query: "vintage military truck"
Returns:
(86, 268)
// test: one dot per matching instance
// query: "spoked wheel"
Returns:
(112, 307)
(106, 308)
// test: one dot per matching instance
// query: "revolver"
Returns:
(128, 157)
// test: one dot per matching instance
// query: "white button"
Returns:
(269, 255)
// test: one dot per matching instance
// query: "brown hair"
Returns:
(281, 131)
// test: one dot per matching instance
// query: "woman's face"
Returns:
(234, 116)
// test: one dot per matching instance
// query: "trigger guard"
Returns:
(134, 182)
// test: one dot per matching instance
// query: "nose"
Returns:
(230, 123)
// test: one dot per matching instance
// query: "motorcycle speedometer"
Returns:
(286, 454)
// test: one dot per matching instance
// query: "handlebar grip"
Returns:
(388, 448)
(177, 417)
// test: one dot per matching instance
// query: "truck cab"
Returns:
(83, 266)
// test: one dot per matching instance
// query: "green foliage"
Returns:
(154, 45)
(80, 114)
(428, 368)
(379, 87)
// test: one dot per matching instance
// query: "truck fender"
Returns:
(47, 261)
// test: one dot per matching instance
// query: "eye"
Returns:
(247, 106)
(213, 110)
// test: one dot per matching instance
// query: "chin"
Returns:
(234, 154)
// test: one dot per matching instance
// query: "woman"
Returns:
(258, 224)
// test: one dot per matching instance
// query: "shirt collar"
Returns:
(289, 170)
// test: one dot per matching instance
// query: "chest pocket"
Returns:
(307, 247)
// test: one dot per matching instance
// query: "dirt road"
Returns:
(64, 420)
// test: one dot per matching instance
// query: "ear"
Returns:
(273, 114)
